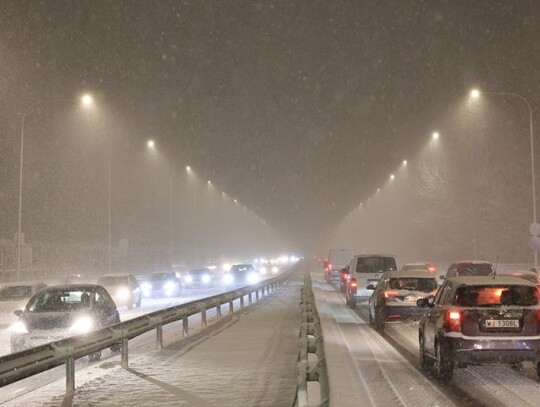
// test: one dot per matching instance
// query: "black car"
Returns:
(160, 285)
(58, 312)
(242, 274)
(199, 278)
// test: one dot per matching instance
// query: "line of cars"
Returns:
(475, 316)
(35, 313)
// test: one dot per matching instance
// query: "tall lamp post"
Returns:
(534, 227)
(87, 102)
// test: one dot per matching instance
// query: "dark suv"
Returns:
(480, 320)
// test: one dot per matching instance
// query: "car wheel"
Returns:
(538, 369)
(352, 302)
(426, 363)
(116, 348)
(444, 367)
(370, 315)
(379, 320)
(94, 356)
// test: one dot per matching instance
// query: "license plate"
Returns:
(410, 298)
(501, 323)
(373, 282)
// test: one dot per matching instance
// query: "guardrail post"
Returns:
(70, 375)
(159, 336)
(231, 308)
(257, 295)
(185, 328)
(250, 301)
(263, 291)
(204, 323)
(242, 301)
(124, 360)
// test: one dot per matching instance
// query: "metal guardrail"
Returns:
(310, 342)
(20, 365)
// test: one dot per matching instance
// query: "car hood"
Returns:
(50, 320)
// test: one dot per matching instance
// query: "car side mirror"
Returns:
(425, 302)
(370, 287)
(19, 312)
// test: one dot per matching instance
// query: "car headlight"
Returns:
(188, 279)
(169, 287)
(205, 278)
(253, 278)
(228, 278)
(275, 269)
(263, 270)
(18, 327)
(146, 286)
(123, 293)
(82, 325)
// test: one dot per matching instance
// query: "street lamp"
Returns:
(435, 135)
(87, 102)
(534, 227)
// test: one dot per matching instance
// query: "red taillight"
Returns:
(432, 269)
(354, 284)
(344, 277)
(390, 294)
(453, 320)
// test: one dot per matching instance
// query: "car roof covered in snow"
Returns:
(409, 274)
(491, 280)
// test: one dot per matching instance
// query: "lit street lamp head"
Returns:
(87, 100)
(151, 144)
(435, 135)
(475, 93)
(188, 168)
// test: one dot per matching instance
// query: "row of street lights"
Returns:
(534, 228)
(87, 102)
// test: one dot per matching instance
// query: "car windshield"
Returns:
(472, 269)
(112, 280)
(13, 293)
(375, 264)
(199, 271)
(425, 285)
(60, 301)
(242, 268)
(158, 277)
(496, 295)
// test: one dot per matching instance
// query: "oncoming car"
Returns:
(394, 298)
(480, 320)
(268, 268)
(58, 312)
(160, 285)
(200, 277)
(123, 288)
(242, 274)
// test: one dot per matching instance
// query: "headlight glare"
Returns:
(205, 278)
(123, 293)
(82, 325)
(18, 327)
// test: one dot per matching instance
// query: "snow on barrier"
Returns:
(20, 365)
(311, 343)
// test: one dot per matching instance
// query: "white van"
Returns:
(364, 270)
(337, 259)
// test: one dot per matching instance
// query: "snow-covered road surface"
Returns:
(383, 369)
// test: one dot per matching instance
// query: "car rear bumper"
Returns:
(404, 312)
(488, 351)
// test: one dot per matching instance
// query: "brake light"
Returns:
(390, 294)
(453, 320)
(432, 269)
(354, 284)
(344, 276)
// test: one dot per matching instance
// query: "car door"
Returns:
(106, 308)
(434, 315)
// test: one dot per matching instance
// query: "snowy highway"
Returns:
(383, 369)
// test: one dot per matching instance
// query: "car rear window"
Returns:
(375, 264)
(496, 295)
(425, 285)
(472, 269)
